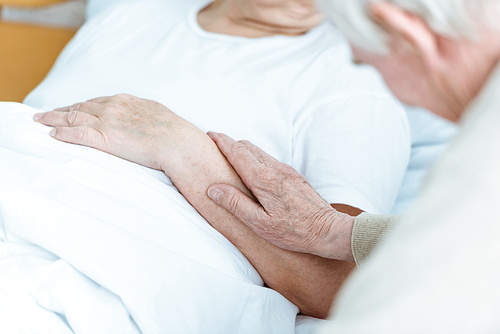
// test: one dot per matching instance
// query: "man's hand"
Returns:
(290, 213)
(142, 131)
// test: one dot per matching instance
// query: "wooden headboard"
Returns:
(27, 52)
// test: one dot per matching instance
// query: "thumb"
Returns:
(238, 203)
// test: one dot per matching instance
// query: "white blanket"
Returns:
(95, 244)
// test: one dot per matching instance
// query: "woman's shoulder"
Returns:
(331, 74)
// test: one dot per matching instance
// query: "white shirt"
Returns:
(299, 98)
(439, 271)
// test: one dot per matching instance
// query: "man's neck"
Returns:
(252, 19)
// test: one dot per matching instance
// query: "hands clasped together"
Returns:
(288, 213)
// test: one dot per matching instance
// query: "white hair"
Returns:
(451, 18)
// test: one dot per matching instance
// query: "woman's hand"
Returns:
(139, 130)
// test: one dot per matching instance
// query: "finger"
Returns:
(223, 141)
(63, 118)
(238, 155)
(92, 108)
(239, 204)
(259, 153)
(80, 135)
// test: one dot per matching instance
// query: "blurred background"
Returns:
(32, 34)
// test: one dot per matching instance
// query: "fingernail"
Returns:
(215, 194)
(53, 132)
(37, 117)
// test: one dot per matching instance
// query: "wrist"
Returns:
(184, 148)
(196, 163)
(335, 240)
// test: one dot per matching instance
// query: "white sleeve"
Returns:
(354, 150)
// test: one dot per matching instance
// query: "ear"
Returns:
(405, 27)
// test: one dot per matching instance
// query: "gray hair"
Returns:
(451, 18)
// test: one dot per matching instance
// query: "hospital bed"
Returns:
(27, 51)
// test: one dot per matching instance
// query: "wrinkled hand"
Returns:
(290, 213)
(139, 130)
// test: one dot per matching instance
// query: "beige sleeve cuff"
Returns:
(367, 232)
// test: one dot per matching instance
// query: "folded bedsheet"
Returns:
(96, 244)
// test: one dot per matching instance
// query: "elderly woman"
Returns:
(437, 272)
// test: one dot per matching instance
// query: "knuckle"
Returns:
(298, 179)
(233, 203)
(82, 107)
(72, 117)
(286, 169)
(238, 149)
(75, 107)
(245, 143)
(122, 97)
(292, 177)
(288, 173)
(267, 176)
(238, 146)
(115, 99)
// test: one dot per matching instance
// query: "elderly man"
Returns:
(437, 272)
